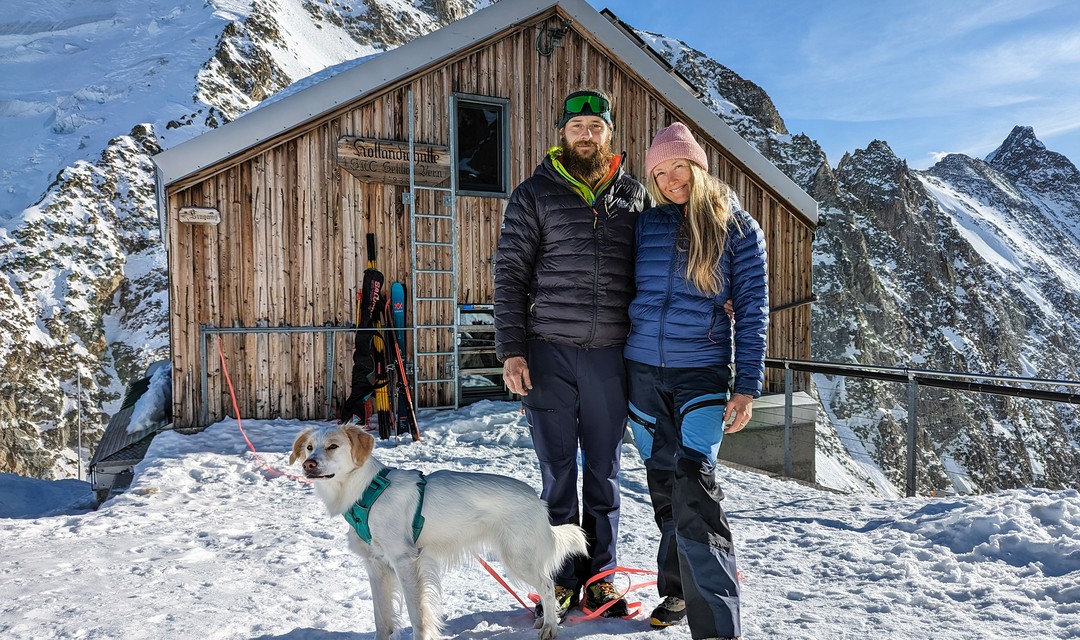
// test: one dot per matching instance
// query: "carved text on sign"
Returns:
(387, 161)
(200, 215)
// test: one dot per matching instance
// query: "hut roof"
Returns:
(374, 73)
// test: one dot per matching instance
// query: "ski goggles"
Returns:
(586, 103)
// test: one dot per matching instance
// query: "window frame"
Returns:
(458, 100)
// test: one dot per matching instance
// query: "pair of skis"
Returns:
(406, 407)
(377, 359)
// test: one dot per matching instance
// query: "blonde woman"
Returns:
(694, 253)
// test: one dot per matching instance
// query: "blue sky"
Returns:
(928, 77)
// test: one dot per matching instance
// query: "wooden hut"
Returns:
(266, 217)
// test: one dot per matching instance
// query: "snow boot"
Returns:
(565, 598)
(669, 612)
(599, 594)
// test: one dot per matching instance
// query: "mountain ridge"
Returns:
(907, 275)
(911, 267)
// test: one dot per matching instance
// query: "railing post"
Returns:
(78, 406)
(204, 382)
(789, 383)
(913, 415)
(331, 347)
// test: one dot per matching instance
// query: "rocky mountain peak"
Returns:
(1020, 142)
(874, 174)
(1025, 158)
(958, 168)
(878, 155)
(749, 111)
(750, 98)
(725, 91)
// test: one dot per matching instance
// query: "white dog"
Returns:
(416, 530)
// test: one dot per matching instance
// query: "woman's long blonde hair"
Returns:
(708, 213)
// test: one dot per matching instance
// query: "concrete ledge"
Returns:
(761, 444)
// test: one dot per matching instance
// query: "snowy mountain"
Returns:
(968, 266)
(96, 89)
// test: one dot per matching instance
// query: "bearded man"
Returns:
(563, 284)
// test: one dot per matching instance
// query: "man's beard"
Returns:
(589, 169)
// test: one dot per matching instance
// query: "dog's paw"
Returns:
(547, 631)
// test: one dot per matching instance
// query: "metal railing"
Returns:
(207, 331)
(914, 379)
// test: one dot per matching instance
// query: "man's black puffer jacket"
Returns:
(564, 270)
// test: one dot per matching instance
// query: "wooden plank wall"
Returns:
(290, 249)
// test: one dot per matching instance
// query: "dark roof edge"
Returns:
(257, 126)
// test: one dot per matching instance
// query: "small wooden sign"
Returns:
(200, 215)
(387, 161)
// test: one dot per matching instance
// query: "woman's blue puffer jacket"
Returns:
(674, 324)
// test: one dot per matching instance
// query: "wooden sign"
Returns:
(200, 215)
(387, 161)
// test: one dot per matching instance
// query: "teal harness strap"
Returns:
(357, 516)
(418, 519)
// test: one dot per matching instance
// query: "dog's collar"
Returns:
(357, 515)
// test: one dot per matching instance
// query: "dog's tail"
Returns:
(569, 541)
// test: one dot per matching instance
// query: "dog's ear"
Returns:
(362, 444)
(299, 444)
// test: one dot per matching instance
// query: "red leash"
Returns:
(498, 578)
(236, 411)
(633, 608)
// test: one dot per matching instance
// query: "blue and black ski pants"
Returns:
(579, 398)
(677, 416)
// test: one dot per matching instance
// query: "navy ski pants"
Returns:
(677, 416)
(579, 398)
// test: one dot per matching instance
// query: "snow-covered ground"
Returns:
(208, 544)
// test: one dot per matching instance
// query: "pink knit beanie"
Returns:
(673, 142)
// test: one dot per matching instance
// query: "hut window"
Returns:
(482, 148)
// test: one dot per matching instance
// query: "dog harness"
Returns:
(357, 515)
